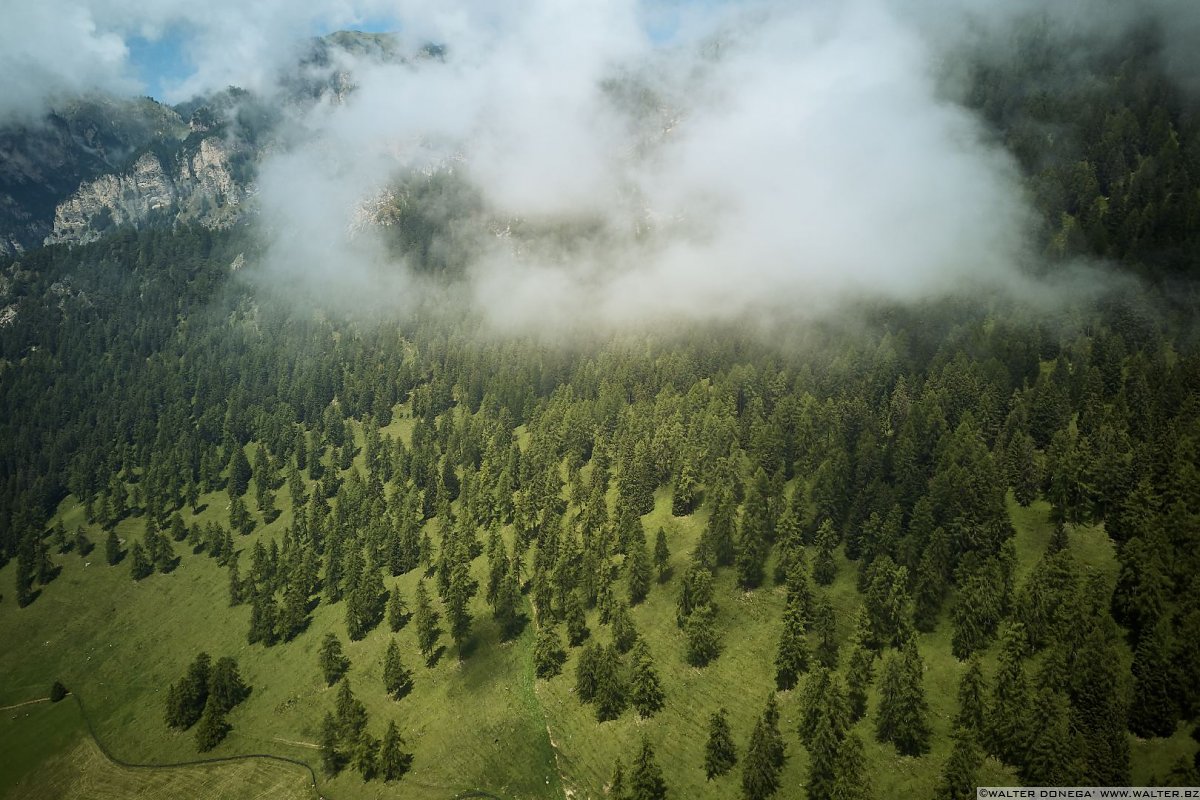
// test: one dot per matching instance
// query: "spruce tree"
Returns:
(851, 781)
(351, 714)
(587, 672)
(791, 658)
(397, 610)
(1155, 708)
(1008, 722)
(903, 716)
(610, 685)
(639, 568)
(646, 778)
(332, 758)
(397, 679)
(426, 620)
(760, 773)
(972, 689)
(645, 689)
(140, 566)
(393, 761)
(825, 634)
(577, 628)
(332, 661)
(823, 747)
(859, 674)
(548, 653)
(1055, 753)
(212, 728)
(662, 555)
(624, 633)
(960, 774)
(701, 635)
(616, 786)
(225, 685)
(720, 754)
(824, 566)
(112, 548)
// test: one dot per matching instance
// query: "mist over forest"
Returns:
(629, 400)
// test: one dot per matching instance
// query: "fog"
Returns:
(624, 161)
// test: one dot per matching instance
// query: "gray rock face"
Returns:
(198, 187)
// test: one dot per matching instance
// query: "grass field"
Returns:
(482, 722)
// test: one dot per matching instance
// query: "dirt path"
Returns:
(26, 703)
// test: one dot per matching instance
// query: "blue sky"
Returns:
(162, 62)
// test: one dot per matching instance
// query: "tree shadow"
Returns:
(435, 656)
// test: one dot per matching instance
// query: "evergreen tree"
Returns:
(610, 686)
(236, 596)
(351, 714)
(971, 701)
(824, 566)
(1008, 723)
(212, 728)
(760, 773)
(1054, 755)
(624, 633)
(639, 568)
(587, 672)
(577, 628)
(701, 634)
(225, 685)
(646, 778)
(83, 545)
(397, 610)
(903, 716)
(426, 619)
(394, 763)
(824, 746)
(332, 758)
(859, 675)
(140, 566)
(332, 661)
(1155, 708)
(616, 786)
(364, 755)
(239, 473)
(548, 653)
(960, 774)
(851, 781)
(825, 633)
(507, 611)
(112, 548)
(791, 659)
(365, 602)
(662, 556)
(720, 754)
(645, 689)
(397, 679)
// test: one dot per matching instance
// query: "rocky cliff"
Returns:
(194, 185)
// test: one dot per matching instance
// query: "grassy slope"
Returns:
(477, 723)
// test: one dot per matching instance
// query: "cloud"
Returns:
(768, 159)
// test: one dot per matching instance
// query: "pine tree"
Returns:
(332, 758)
(824, 566)
(212, 728)
(112, 549)
(397, 610)
(639, 568)
(548, 653)
(1055, 753)
(720, 754)
(587, 672)
(140, 566)
(507, 612)
(959, 776)
(616, 786)
(624, 633)
(903, 716)
(332, 661)
(351, 714)
(646, 779)
(760, 773)
(645, 689)
(365, 602)
(825, 633)
(1008, 723)
(426, 619)
(824, 746)
(851, 781)
(364, 755)
(662, 556)
(293, 612)
(236, 593)
(83, 545)
(397, 679)
(1155, 709)
(754, 542)
(225, 685)
(394, 763)
(577, 629)
(701, 634)
(610, 685)
(859, 675)
(791, 659)
(971, 701)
